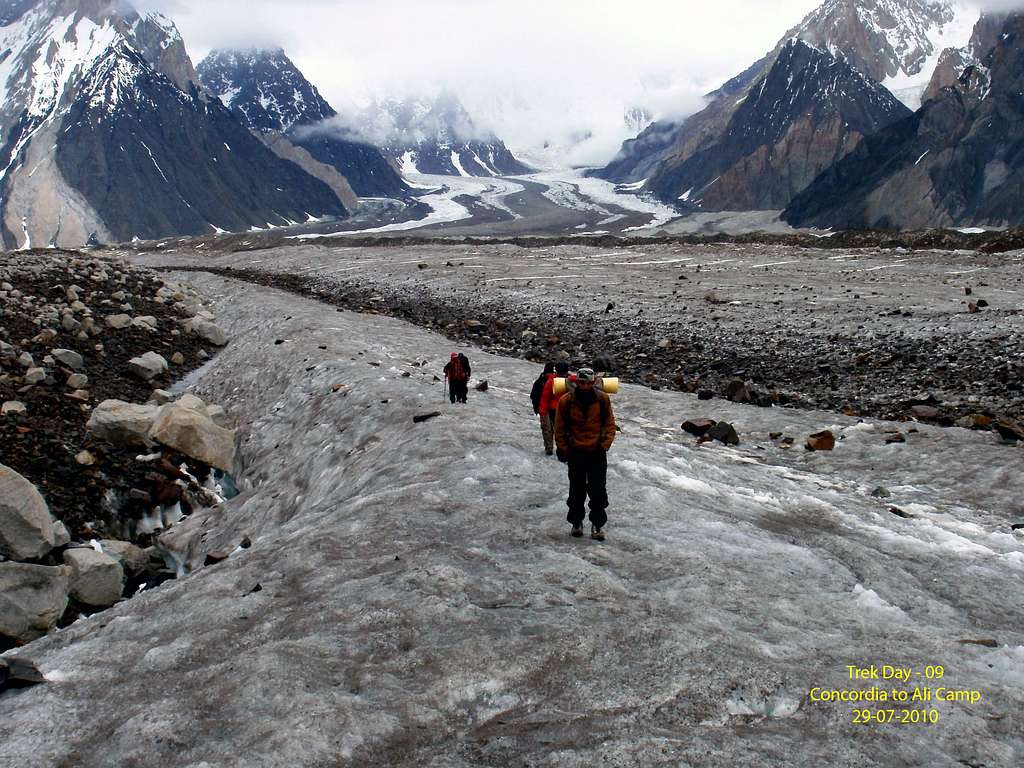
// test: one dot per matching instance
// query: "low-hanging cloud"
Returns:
(557, 73)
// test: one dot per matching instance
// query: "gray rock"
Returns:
(26, 528)
(117, 322)
(7, 352)
(122, 423)
(207, 331)
(132, 559)
(194, 434)
(148, 366)
(69, 324)
(147, 322)
(13, 408)
(178, 359)
(96, 579)
(161, 397)
(32, 599)
(66, 357)
(35, 376)
(60, 535)
(78, 381)
(25, 360)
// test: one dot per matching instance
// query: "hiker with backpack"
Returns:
(457, 373)
(548, 403)
(547, 424)
(584, 432)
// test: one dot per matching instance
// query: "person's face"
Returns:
(586, 386)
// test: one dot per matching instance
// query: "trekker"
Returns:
(548, 405)
(535, 397)
(584, 432)
(457, 373)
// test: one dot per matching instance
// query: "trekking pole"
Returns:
(444, 391)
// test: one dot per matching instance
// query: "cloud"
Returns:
(533, 71)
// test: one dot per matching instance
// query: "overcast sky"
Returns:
(533, 70)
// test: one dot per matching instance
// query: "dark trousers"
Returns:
(458, 390)
(588, 474)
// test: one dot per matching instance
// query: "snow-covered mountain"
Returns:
(270, 95)
(106, 136)
(955, 162)
(436, 136)
(894, 42)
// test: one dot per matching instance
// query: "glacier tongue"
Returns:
(420, 602)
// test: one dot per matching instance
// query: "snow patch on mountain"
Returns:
(910, 86)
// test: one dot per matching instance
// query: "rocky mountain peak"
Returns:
(265, 85)
(881, 38)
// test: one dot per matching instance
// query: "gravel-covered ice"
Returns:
(411, 596)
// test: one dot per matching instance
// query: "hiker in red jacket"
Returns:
(548, 406)
(457, 373)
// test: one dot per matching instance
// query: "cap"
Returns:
(585, 374)
(454, 355)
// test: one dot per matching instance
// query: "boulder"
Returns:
(1009, 430)
(194, 434)
(698, 427)
(118, 322)
(737, 391)
(12, 408)
(146, 323)
(148, 366)
(132, 559)
(925, 413)
(26, 528)
(207, 331)
(96, 579)
(60, 535)
(724, 432)
(161, 397)
(122, 423)
(19, 673)
(822, 441)
(69, 359)
(32, 599)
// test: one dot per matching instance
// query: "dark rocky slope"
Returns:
(807, 112)
(270, 95)
(956, 162)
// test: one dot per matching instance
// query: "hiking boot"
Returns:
(549, 452)
(596, 533)
(577, 531)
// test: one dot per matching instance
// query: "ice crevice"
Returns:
(420, 601)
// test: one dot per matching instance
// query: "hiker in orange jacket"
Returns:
(584, 432)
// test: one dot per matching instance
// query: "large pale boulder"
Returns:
(32, 599)
(26, 528)
(194, 434)
(148, 366)
(96, 579)
(122, 423)
(207, 331)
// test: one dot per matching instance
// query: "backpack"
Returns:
(537, 391)
(457, 372)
